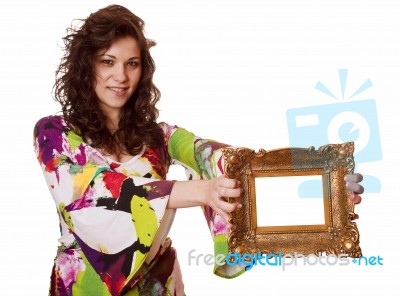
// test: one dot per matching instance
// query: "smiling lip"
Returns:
(118, 91)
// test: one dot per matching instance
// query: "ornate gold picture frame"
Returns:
(338, 235)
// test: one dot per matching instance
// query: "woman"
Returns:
(105, 161)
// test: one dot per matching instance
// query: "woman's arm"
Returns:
(212, 192)
(206, 193)
(202, 157)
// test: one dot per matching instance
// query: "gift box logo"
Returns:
(343, 121)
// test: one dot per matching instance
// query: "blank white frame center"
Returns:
(279, 203)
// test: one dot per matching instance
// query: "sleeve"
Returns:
(113, 218)
(202, 160)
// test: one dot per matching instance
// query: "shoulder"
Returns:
(54, 136)
(50, 125)
(51, 121)
(167, 129)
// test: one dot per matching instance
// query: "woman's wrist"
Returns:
(186, 194)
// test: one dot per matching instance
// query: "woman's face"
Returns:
(117, 74)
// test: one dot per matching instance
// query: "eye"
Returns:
(107, 62)
(133, 64)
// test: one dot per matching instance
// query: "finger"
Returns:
(237, 205)
(355, 198)
(354, 178)
(229, 192)
(354, 187)
(226, 206)
(355, 217)
(228, 183)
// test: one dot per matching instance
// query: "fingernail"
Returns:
(240, 206)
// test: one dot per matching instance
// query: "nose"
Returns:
(120, 73)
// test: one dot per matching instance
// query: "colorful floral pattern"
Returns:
(110, 212)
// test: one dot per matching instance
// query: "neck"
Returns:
(113, 122)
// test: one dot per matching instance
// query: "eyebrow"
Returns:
(111, 56)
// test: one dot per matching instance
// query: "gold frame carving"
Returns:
(339, 234)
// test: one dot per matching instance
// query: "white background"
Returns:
(227, 70)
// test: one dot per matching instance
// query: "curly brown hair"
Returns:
(75, 84)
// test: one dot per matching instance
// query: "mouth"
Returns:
(118, 91)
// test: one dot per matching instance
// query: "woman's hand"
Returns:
(352, 184)
(219, 188)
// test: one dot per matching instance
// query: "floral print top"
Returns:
(111, 214)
